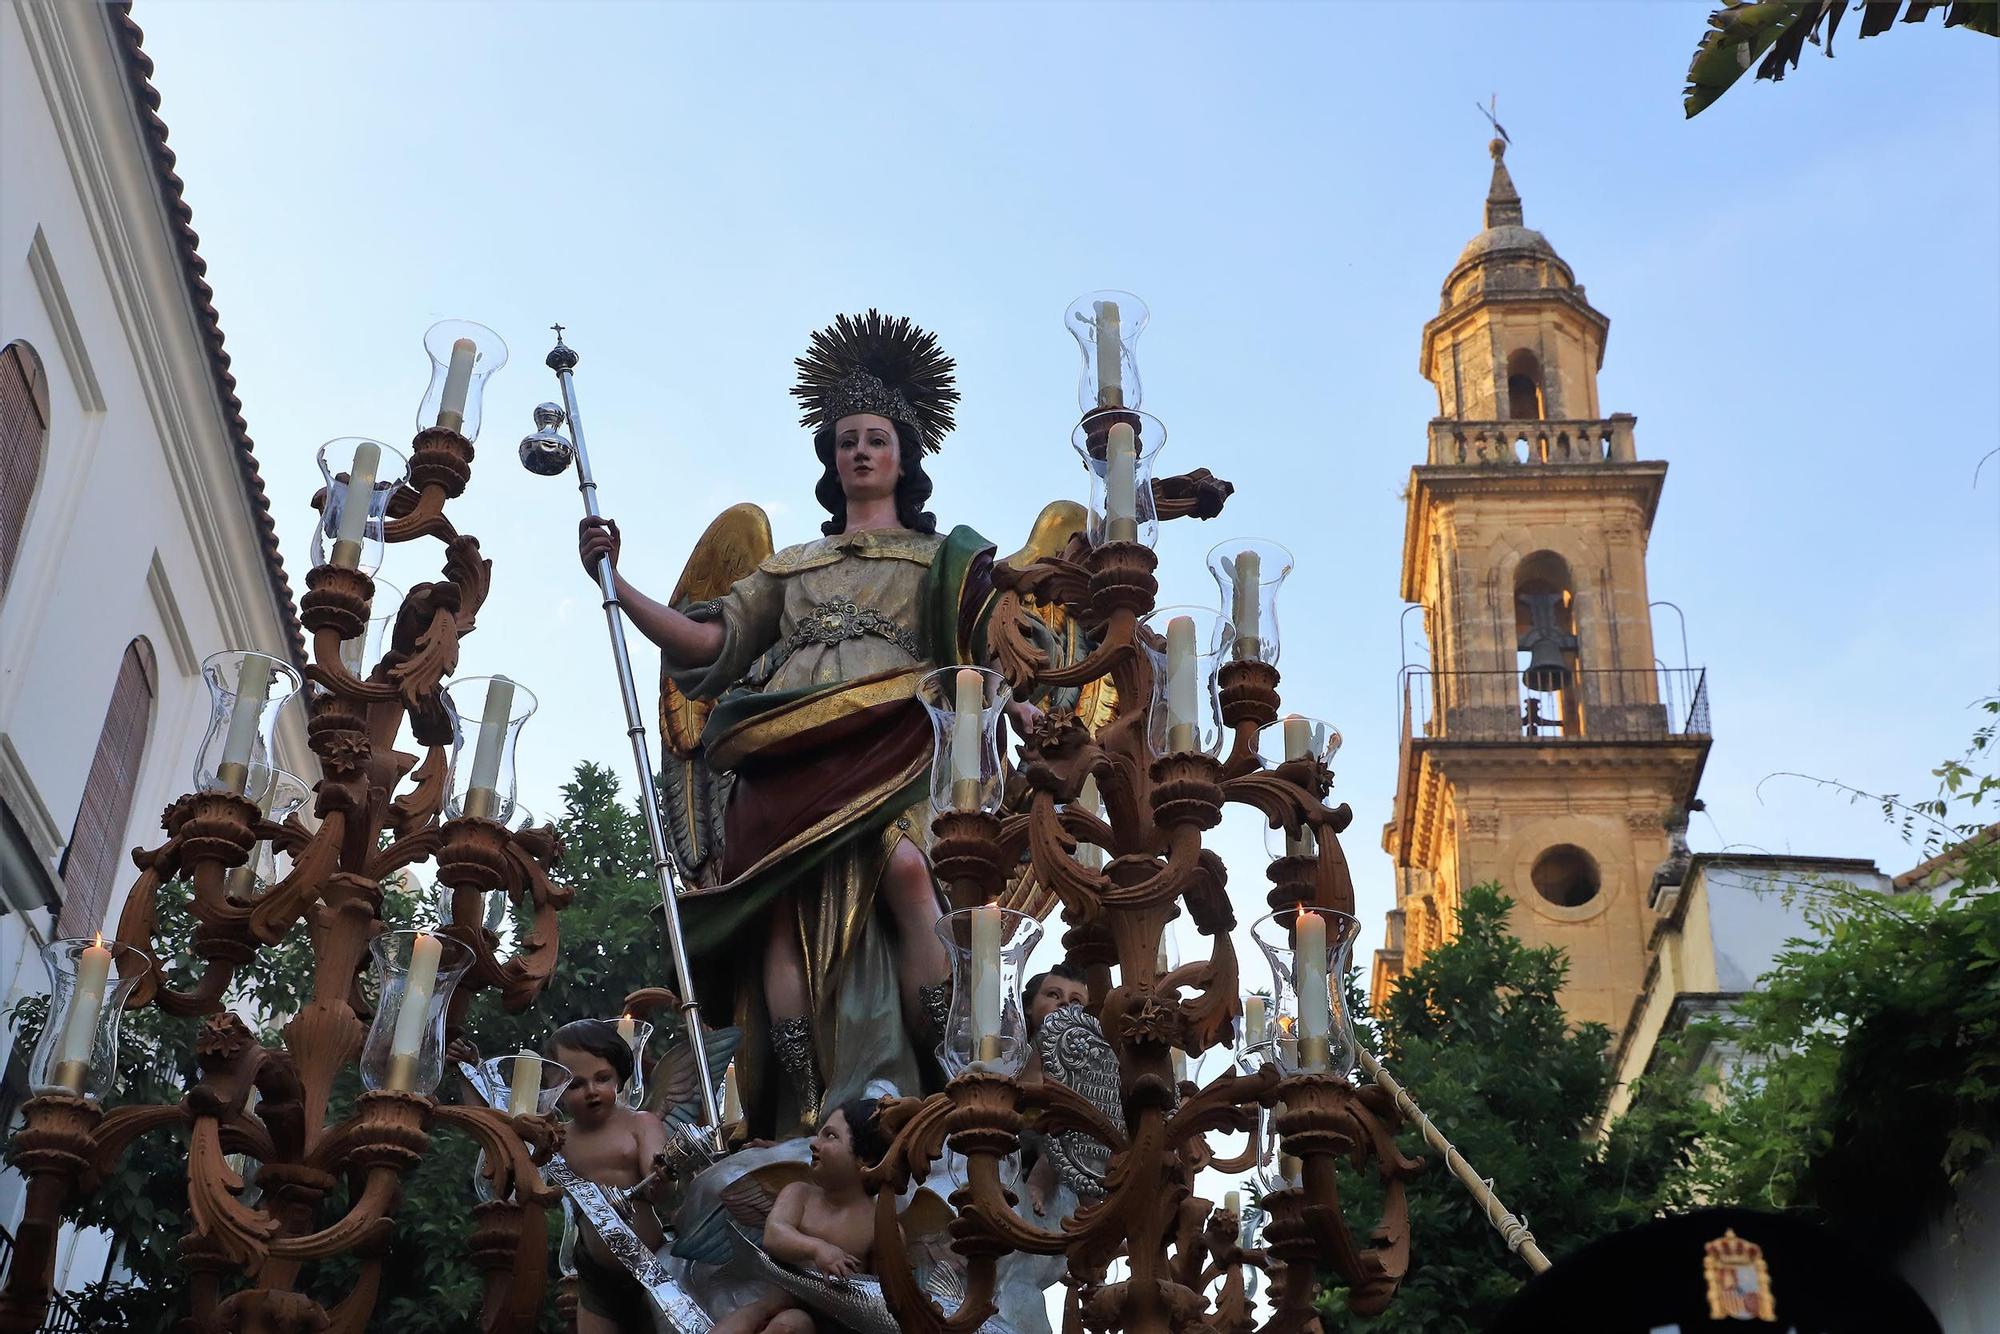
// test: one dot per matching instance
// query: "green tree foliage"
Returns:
(1741, 32)
(1476, 1034)
(1864, 1082)
(610, 947)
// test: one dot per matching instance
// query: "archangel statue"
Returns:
(799, 757)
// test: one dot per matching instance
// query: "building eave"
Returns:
(128, 37)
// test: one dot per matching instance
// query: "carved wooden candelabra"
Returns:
(1158, 803)
(372, 824)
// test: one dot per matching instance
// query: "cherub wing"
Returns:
(736, 1192)
(734, 545)
(673, 1085)
(1075, 1054)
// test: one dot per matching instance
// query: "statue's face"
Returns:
(1051, 994)
(832, 1148)
(866, 457)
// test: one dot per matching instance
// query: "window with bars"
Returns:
(91, 862)
(24, 433)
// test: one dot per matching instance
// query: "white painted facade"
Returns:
(141, 522)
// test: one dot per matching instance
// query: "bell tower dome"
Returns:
(1544, 746)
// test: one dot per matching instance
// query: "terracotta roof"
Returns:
(1946, 864)
(139, 68)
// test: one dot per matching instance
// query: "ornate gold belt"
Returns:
(838, 619)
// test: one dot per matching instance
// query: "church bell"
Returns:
(1548, 670)
(1546, 645)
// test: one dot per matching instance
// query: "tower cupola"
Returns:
(1514, 338)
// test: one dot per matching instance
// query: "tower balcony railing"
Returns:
(1526, 443)
(1607, 704)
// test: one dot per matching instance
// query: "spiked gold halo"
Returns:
(874, 363)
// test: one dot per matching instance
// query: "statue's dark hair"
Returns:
(913, 485)
(1065, 970)
(864, 1130)
(598, 1037)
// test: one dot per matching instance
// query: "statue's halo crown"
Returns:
(879, 364)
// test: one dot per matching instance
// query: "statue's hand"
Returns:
(1023, 716)
(834, 1262)
(597, 538)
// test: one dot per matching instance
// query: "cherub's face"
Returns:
(1051, 994)
(866, 457)
(593, 1091)
(833, 1163)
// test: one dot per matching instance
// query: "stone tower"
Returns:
(1543, 746)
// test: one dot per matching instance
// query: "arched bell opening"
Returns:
(1546, 643)
(1525, 400)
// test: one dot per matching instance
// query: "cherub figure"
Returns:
(825, 1223)
(612, 1145)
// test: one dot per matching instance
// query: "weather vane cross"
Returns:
(558, 328)
(1492, 113)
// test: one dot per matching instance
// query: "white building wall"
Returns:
(141, 525)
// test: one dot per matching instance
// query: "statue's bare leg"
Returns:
(784, 963)
(794, 1321)
(913, 905)
(786, 1000)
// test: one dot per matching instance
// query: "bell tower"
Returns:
(1543, 745)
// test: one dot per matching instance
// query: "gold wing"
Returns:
(1060, 521)
(694, 794)
(735, 544)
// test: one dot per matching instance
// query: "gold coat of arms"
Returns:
(1739, 1282)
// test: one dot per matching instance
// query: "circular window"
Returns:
(1566, 876)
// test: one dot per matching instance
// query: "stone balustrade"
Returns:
(1524, 443)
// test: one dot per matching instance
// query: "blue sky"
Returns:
(1803, 288)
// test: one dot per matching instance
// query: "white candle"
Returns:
(1110, 357)
(1121, 487)
(253, 689)
(732, 1101)
(413, 1016)
(985, 983)
(1182, 731)
(525, 1098)
(1310, 977)
(628, 1028)
(354, 505)
(481, 796)
(1089, 855)
(1298, 745)
(86, 1002)
(967, 734)
(1232, 1202)
(1249, 574)
(1256, 1022)
(457, 380)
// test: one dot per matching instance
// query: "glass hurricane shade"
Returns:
(288, 793)
(463, 355)
(89, 979)
(1295, 736)
(415, 974)
(361, 477)
(1249, 570)
(487, 713)
(361, 653)
(639, 1034)
(1310, 1028)
(986, 1027)
(525, 1085)
(1106, 326)
(1118, 447)
(1184, 694)
(246, 689)
(965, 705)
